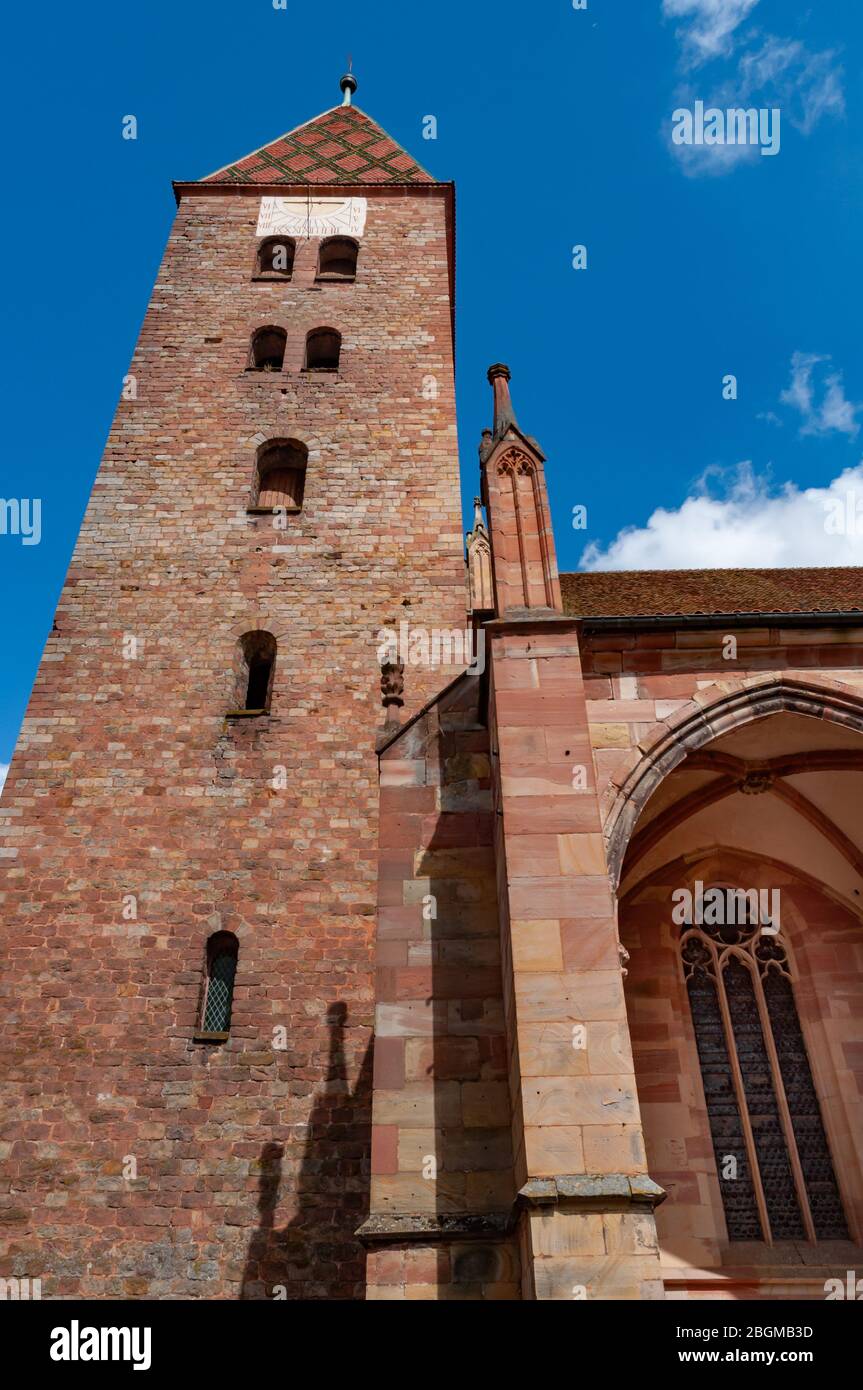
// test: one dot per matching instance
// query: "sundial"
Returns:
(312, 217)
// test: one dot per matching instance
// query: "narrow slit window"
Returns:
(222, 952)
(259, 660)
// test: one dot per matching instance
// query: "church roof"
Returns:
(343, 145)
(708, 593)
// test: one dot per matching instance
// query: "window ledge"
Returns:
(271, 511)
(320, 371)
(245, 713)
(275, 278)
(201, 1036)
(261, 371)
(329, 279)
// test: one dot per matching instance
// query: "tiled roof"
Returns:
(675, 593)
(343, 145)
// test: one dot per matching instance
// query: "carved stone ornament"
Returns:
(755, 783)
(392, 683)
(514, 461)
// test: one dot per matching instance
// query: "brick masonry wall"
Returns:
(252, 1162)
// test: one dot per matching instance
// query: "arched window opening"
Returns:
(772, 1156)
(268, 350)
(337, 258)
(275, 258)
(280, 476)
(323, 349)
(222, 951)
(259, 662)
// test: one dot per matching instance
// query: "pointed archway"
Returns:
(755, 789)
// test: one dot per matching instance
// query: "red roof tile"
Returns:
(352, 162)
(677, 593)
(328, 146)
(381, 149)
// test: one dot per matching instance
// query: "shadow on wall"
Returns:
(316, 1254)
(454, 1060)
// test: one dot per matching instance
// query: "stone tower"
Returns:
(192, 803)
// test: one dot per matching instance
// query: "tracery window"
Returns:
(775, 1170)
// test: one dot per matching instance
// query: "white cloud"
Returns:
(770, 72)
(835, 412)
(4, 768)
(709, 25)
(751, 527)
(805, 86)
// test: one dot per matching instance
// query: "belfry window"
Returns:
(772, 1157)
(222, 952)
(280, 476)
(323, 349)
(275, 258)
(268, 350)
(337, 258)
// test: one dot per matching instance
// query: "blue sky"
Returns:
(556, 125)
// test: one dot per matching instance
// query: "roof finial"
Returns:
(504, 415)
(348, 83)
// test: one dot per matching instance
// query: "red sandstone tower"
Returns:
(192, 804)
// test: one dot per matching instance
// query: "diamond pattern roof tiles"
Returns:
(342, 145)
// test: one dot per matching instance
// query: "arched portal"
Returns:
(748, 1039)
(715, 711)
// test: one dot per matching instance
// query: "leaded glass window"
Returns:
(221, 972)
(772, 1156)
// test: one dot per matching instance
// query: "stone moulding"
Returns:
(601, 1191)
(425, 1227)
(716, 711)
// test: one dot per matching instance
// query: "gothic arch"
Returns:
(712, 712)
